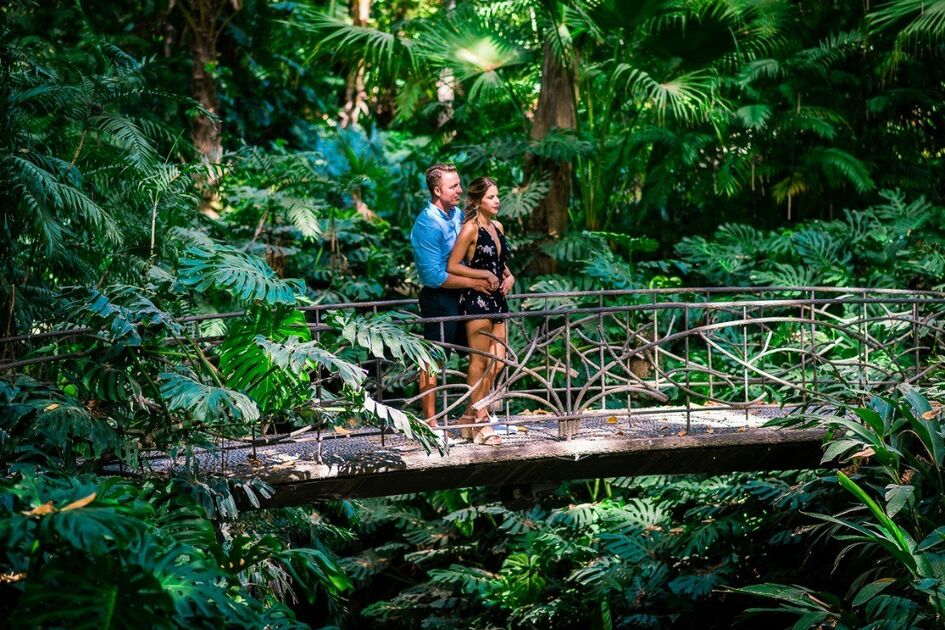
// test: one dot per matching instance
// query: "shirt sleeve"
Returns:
(427, 241)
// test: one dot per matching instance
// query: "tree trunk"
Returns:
(445, 96)
(355, 93)
(556, 109)
(446, 84)
(205, 132)
(205, 22)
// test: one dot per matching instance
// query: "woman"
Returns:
(482, 246)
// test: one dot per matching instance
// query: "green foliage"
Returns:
(248, 278)
(651, 549)
(203, 402)
(896, 445)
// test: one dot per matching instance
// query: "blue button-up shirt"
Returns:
(432, 237)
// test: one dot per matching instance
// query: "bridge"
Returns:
(594, 384)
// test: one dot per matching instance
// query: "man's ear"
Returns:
(437, 191)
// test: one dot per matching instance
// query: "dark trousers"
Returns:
(442, 303)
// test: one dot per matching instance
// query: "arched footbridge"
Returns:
(604, 383)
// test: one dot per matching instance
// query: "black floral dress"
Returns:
(493, 259)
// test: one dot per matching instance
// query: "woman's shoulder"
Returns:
(498, 226)
(470, 227)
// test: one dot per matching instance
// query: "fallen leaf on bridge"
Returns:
(612, 420)
(681, 434)
(342, 431)
(710, 430)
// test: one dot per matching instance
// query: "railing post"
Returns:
(915, 334)
(708, 321)
(864, 379)
(803, 358)
(567, 427)
(815, 360)
(379, 389)
(745, 355)
(600, 342)
(688, 382)
(656, 348)
(443, 381)
(630, 371)
(318, 390)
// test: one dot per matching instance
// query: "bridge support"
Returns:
(551, 461)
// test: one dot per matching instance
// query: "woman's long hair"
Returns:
(474, 194)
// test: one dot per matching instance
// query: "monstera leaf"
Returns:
(246, 365)
(248, 278)
(206, 402)
(296, 356)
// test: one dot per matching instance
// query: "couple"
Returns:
(461, 256)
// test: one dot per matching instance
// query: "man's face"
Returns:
(450, 189)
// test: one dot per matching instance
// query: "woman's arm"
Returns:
(455, 263)
(508, 280)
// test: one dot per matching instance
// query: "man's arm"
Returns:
(460, 282)
(426, 239)
(426, 252)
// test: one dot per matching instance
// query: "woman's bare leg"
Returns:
(496, 348)
(477, 377)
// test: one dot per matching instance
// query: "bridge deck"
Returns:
(358, 465)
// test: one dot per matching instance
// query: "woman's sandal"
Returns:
(467, 433)
(489, 439)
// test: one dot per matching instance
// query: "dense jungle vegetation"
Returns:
(166, 159)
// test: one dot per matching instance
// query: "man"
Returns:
(432, 237)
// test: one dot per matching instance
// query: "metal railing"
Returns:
(575, 355)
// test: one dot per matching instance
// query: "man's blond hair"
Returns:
(435, 174)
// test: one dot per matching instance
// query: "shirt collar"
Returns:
(435, 209)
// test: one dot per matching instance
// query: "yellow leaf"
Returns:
(681, 433)
(710, 430)
(41, 510)
(612, 420)
(81, 503)
(52, 407)
(866, 452)
(928, 415)
(342, 431)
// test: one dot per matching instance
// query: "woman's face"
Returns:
(489, 205)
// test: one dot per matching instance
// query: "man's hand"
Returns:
(507, 281)
(482, 285)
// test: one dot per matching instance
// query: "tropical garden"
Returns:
(166, 161)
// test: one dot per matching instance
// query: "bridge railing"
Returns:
(570, 356)
(617, 354)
